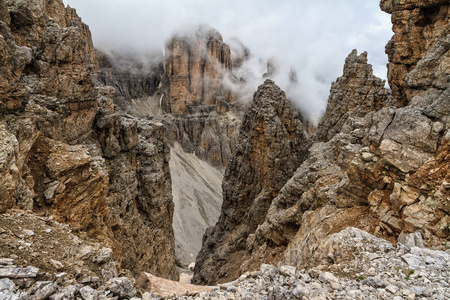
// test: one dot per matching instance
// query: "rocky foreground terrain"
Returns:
(365, 267)
(357, 209)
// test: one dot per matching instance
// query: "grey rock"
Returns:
(327, 277)
(46, 291)
(413, 261)
(67, 292)
(411, 240)
(268, 269)
(121, 287)
(6, 262)
(392, 289)
(7, 285)
(103, 256)
(88, 293)
(11, 272)
(289, 270)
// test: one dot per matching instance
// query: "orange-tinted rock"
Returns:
(65, 151)
(195, 66)
(416, 25)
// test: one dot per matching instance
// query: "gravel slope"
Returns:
(197, 194)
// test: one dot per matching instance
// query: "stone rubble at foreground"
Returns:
(377, 270)
(386, 273)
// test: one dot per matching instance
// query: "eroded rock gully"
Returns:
(65, 150)
(381, 162)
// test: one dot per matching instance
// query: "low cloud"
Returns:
(311, 37)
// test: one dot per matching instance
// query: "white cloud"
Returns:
(313, 37)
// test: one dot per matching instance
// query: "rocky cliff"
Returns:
(354, 94)
(135, 76)
(66, 152)
(195, 66)
(378, 167)
(204, 114)
(417, 25)
(272, 144)
(184, 90)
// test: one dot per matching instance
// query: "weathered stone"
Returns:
(88, 293)
(194, 67)
(45, 291)
(272, 144)
(121, 287)
(7, 285)
(354, 94)
(103, 256)
(11, 272)
(416, 25)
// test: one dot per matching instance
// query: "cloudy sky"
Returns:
(312, 37)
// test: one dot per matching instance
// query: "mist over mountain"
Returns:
(312, 38)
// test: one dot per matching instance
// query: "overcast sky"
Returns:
(313, 37)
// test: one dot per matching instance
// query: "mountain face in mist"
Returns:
(195, 67)
(381, 162)
(136, 78)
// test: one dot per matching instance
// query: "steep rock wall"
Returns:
(204, 114)
(195, 66)
(64, 151)
(272, 144)
(416, 25)
(355, 93)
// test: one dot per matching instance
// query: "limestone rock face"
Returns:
(356, 93)
(377, 167)
(212, 137)
(272, 144)
(139, 192)
(136, 78)
(416, 25)
(195, 66)
(204, 117)
(65, 151)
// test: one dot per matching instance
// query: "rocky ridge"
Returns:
(354, 94)
(366, 268)
(272, 134)
(383, 169)
(67, 152)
